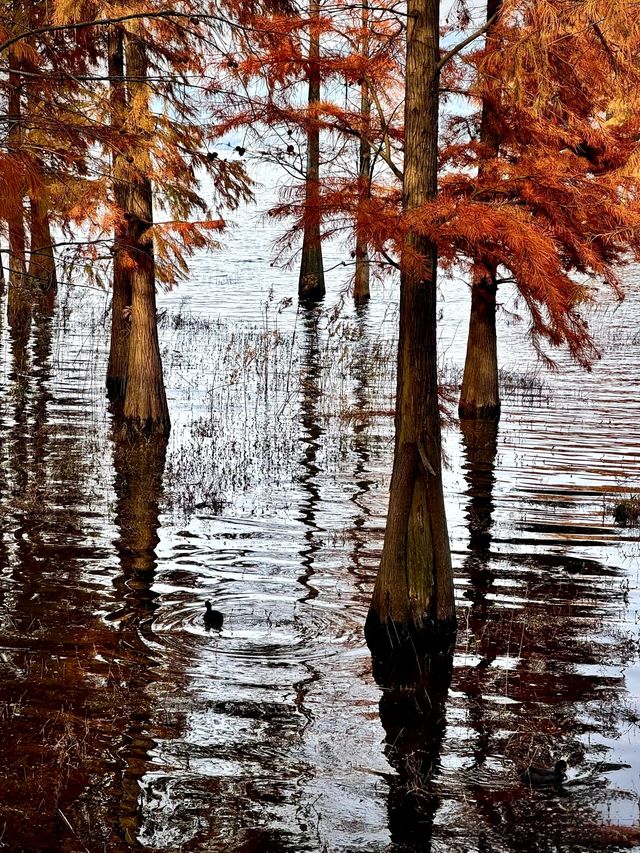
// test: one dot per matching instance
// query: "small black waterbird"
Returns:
(212, 618)
(541, 776)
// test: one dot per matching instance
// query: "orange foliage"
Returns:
(65, 140)
(556, 208)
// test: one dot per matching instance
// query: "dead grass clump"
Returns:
(626, 512)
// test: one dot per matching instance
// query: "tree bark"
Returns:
(42, 264)
(361, 291)
(480, 394)
(413, 602)
(41, 273)
(121, 300)
(311, 282)
(145, 402)
(17, 263)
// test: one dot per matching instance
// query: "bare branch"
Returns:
(461, 45)
(53, 28)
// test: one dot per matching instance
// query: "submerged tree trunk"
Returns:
(361, 292)
(121, 300)
(311, 283)
(145, 402)
(480, 394)
(413, 604)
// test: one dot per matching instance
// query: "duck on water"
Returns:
(212, 618)
(542, 776)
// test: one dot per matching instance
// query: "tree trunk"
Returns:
(311, 283)
(361, 291)
(413, 602)
(42, 265)
(17, 264)
(145, 402)
(121, 301)
(480, 394)
(41, 273)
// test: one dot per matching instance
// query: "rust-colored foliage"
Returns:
(68, 139)
(555, 209)
(556, 206)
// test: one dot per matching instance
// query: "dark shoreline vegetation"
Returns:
(319, 514)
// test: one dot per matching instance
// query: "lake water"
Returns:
(127, 725)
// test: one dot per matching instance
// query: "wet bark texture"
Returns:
(41, 273)
(361, 290)
(145, 402)
(121, 300)
(311, 283)
(413, 603)
(480, 394)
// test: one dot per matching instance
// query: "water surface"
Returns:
(127, 725)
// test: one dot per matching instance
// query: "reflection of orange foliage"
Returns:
(622, 836)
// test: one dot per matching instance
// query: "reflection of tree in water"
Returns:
(311, 368)
(412, 713)
(534, 622)
(71, 683)
(480, 443)
(139, 468)
(312, 432)
(47, 626)
(363, 482)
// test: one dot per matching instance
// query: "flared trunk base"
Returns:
(404, 648)
(311, 286)
(135, 429)
(469, 409)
